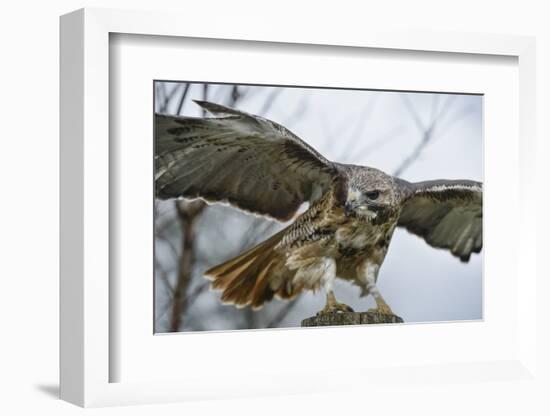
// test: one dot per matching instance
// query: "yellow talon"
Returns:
(332, 306)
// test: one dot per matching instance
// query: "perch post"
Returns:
(351, 318)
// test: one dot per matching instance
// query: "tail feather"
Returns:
(261, 292)
(239, 289)
(245, 279)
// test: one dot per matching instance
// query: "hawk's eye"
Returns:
(373, 195)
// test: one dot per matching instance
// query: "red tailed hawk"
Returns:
(259, 166)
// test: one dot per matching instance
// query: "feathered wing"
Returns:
(238, 158)
(446, 214)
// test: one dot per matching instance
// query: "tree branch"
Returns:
(182, 98)
(188, 214)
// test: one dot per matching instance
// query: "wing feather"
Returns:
(237, 158)
(446, 214)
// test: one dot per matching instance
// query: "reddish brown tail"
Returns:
(249, 279)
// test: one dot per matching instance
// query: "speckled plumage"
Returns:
(261, 167)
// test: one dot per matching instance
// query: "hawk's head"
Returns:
(371, 195)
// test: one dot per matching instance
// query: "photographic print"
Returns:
(288, 206)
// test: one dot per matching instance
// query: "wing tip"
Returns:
(216, 109)
(464, 258)
(200, 102)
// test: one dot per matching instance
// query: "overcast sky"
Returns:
(382, 129)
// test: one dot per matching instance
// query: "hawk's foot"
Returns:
(382, 309)
(332, 306)
(335, 307)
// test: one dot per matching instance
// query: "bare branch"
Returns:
(204, 97)
(426, 138)
(182, 98)
(188, 213)
(459, 116)
(235, 94)
(414, 114)
(169, 243)
(268, 103)
(300, 110)
(357, 133)
(379, 143)
(428, 132)
(163, 97)
(194, 295)
(159, 270)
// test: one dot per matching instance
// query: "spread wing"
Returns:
(446, 214)
(238, 158)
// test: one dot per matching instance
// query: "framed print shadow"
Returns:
(280, 206)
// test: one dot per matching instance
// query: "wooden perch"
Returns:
(351, 318)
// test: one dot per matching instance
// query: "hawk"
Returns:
(260, 167)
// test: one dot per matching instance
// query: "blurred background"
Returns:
(417, 136)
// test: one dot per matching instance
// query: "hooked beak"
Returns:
(350, 209)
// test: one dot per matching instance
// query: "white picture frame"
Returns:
(86, 355)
